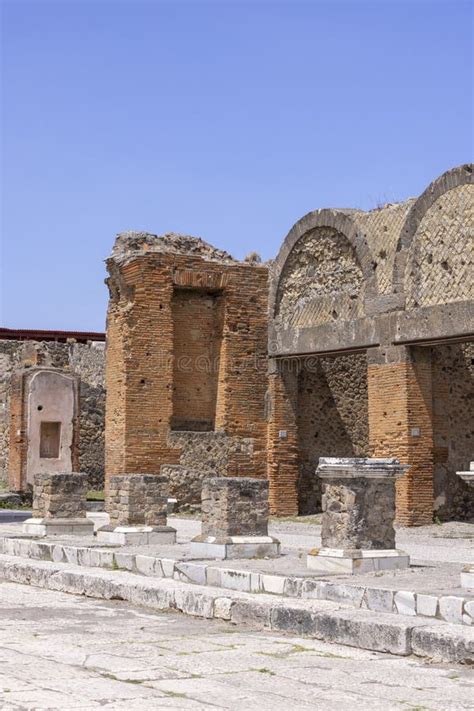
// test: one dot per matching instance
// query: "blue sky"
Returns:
(225, 120)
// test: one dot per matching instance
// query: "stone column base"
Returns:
(355, 562)
(235, 547)
(58, 527)
(137, 535)
(98, 518)
(467, 577)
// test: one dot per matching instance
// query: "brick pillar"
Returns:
(282, 467)
(18, 436)
(401, 424)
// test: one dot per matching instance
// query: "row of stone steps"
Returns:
(452, 608)
(318, 619)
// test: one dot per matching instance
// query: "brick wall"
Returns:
(400, 424)
(197, 331)
(282, 403)
(166, 305)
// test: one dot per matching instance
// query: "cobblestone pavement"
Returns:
(60, 651)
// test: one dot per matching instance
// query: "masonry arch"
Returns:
(435, 253)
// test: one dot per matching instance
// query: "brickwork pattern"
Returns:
(282, 404)
(137, 500)
(321, 281)
(440, 265)
(400, 425)
(60, 495)
(234, 507)
(381, 228)
(198, 323)
(141, 357)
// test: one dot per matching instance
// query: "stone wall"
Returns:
(205, 454)
(322, 281)
(87, 361)
(453, 428)
(332, 418)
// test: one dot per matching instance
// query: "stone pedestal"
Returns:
(137, 506)
(358, 514)
(59, 506)
(235, 520)
(467, 575)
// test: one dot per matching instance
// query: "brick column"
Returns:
(282, 467)
(401, 424)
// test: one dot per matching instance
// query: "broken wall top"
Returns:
(130, 245)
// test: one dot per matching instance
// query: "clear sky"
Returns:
(225, 120)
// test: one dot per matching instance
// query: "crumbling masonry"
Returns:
(356, 341)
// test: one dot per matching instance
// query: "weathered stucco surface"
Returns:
(87, 361)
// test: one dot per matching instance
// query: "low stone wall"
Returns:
(204, 454)
(85, 360)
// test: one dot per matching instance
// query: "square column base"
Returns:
(356, 562)
(137, 535)
(98, 518)
(235, 547)
(41, 527)
(467, 577)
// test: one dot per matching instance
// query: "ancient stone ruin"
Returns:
(234, 520)
(358, 514)
(356, 341)
(59, 505)
(367, 320)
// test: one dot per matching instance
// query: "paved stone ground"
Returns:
(59, 651)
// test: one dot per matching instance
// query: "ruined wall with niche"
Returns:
(85, 360)
(177, 303)
(453, 428)
(332, 418)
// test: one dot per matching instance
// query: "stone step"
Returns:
(318, 619)
(453, 608)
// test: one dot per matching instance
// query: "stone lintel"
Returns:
(359, 467)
